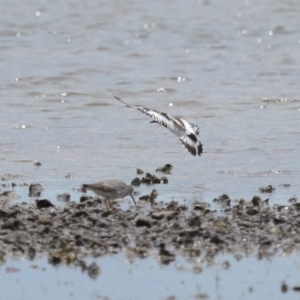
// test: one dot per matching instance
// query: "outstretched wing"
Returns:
(162, 118)
(192, 144)
(158, 117)
(125, 102)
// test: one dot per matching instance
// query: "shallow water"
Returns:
(232, 68)
(145, 279)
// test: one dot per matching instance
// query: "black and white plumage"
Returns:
(187, 132)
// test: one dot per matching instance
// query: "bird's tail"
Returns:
(124, 102)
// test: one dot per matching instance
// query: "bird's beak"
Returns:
(133, 199)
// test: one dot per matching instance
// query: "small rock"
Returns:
(200, 206)
(252, 211)
(64, 197)
(146, 180)
(265, 242)
(194, 221)
(173, 205)
(6, 213)
(12, 224)
(226, 265)
(45, 220)
(44, 203)
(106, 214)
(165, 256)
(55, 260)
(297, 205)
(12, 270)
(191, 232)
(144, 198)
(8, 195)
(228, 211)
(266, 201)
(152, 179)
(256, 201)
(37, 163)
(31, 252)
(136, 181)
(296, 288)
(85, 198)
(285, 185)
(284, 287)
(164, 180)
(219, 223)
(242, 202)
(238, 257)
(78, 214)
(93, 270)
(216, 240)
(223, 199)
(165, 169)
(139, 171)
(280, 207)
(35, 190)
(156, 180)
(293, 200)
(149, 198)
(267, 189)
(278, 220)
(153, 196)
(169, 215)
(143, 222)
(198, 270)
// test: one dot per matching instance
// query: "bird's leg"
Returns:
(105, 202)
(111, 206)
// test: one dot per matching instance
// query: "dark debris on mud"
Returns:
(152, 179)
(85, 229)
(149, 179)
(69, 234)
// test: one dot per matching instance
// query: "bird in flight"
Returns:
(187, 132)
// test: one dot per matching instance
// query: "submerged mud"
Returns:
(85, 229)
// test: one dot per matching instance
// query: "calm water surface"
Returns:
(231, 67)
(145, 279)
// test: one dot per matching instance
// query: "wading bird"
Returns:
(110, 190)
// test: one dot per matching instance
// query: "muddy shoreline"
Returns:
(84, 228)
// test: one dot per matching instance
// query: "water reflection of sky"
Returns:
(248, 278)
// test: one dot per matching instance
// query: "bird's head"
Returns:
(196, 129)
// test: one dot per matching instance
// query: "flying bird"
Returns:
(187, 132)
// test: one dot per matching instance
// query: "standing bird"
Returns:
(186, 131)
(110, 190)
